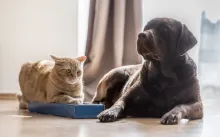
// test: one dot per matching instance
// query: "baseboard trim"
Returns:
(7, 96)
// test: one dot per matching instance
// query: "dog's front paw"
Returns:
(110, 115)
(171, 118)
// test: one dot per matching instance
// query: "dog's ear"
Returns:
(186, 41)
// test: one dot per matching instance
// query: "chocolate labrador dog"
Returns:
(165, 85)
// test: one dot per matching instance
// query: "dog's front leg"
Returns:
(113, 113)
(130, 91)
(190, 111)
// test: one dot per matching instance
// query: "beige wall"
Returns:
(31, 30)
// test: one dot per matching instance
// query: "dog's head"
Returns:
(163, 40)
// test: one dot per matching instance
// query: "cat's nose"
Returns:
(73, 76)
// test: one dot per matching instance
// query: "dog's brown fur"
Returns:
(165, 85)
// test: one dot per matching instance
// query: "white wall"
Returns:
(187, 11)
(212, 8)
(83, 16)
(31, 30)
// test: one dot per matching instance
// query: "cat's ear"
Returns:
(81, 58)
(56, 59)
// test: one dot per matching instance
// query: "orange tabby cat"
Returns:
(58, 81)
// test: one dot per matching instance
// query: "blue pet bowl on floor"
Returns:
(84, 111)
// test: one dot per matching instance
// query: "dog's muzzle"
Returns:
(145, 35)
(146, 45)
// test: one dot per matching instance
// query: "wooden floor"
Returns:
(16, 123)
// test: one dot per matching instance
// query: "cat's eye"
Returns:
(78, 73)
(68, 71)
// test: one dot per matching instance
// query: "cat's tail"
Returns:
(24, 72)
(22, 103)
(23, 75)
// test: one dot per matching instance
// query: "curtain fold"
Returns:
(111, 42)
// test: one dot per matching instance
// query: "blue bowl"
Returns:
(84, 111)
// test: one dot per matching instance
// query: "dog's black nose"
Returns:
(142, 35)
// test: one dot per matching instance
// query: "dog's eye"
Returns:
(160, 41)
(165, 29)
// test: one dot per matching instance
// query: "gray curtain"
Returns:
(111, 41)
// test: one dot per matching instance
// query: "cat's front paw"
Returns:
(75, 102)
(110, 115)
